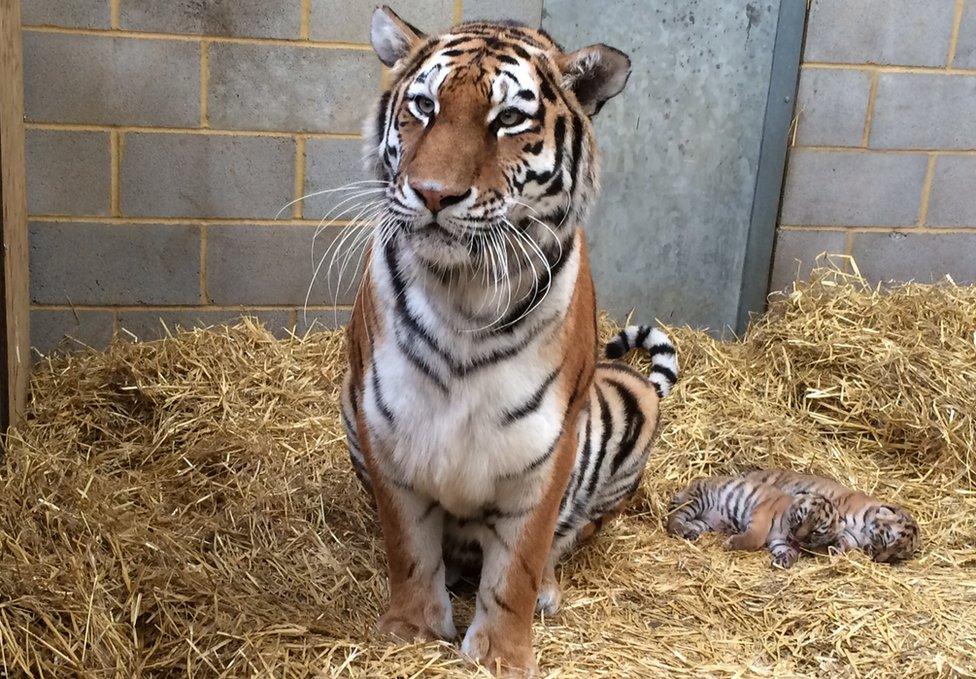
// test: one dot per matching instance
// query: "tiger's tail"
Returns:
(664, 360)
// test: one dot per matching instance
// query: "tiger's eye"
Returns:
(424, 104)
(510, 117)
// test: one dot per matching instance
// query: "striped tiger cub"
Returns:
(475, 408)
(756, 515)
(884, 531)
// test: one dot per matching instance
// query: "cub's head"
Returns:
(814, 521)
(483, 137)
(892, 534)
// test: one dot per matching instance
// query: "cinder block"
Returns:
(274, 266)
(832, 105)
(244, 18)
(332, 164)
(271, 87)
(117, 81)
(953, 198)
(849, 188)
(966, 46)
(923, 257)
(528, 12)
(67, 13)
(68, 173)
(153, 323)
(67, 330)
(924, 111)
(320, 321)
(199, 175)
(904, 32)
(349, 21)
(92, 263)
(796, 254)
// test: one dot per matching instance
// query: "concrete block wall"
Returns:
(163, 138)
(883, 160)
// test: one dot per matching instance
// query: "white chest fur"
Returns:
(452, 437)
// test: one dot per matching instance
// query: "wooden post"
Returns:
(15, 351)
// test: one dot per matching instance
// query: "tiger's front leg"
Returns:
(413, 529)
(515, 547)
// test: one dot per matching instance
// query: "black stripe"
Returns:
(501, 604)
(534, 401)
(577, 147)
(606, 419)
(634, 417)
(665, 372)
(665, 349)
(541, 287)
(536, 463)
(421, 365)
(585, 454)
(642, 335)
(380, 403)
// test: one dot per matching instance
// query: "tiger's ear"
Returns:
(392, 37)
(595, 74)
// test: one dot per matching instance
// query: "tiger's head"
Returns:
(483, 137)
(814, 521)
(892, 534)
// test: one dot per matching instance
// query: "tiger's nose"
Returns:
(435, 198)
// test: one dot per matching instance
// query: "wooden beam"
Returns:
(15, 353)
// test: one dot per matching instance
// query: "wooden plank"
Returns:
(15, 354)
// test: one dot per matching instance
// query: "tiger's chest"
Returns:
(462, 440)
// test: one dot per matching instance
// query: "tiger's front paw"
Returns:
(550, 597)
(420, 619)
(502, 656)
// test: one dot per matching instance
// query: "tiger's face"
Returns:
(484, 138)
(814, 521)
(893, 534)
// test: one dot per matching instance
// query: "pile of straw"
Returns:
(185, 508)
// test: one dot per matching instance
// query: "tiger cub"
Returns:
(885, 532)
(756, 514)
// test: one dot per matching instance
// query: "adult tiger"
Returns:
(474, 406)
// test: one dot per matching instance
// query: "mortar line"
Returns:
(923, 208)
(300, 160)
(848, 242)
(204, 298)
(934, 70)
(115, 181)
(305, 20)
(115, 14)
(877, 151)
(869, 114)
(204, 83)
(148, 129)
(458, 11)
(188, 221)
(908, 228)
(196, 37)
(954, 35)
(185, 307)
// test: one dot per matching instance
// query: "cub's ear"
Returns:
(595, 74)
(392, 37)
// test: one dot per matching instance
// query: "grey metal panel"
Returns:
(772, 160)
(681, 149)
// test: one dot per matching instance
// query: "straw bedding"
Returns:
(185, 508)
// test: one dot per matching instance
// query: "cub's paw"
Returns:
(691, 530)
(785, 558)
(508, 660)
